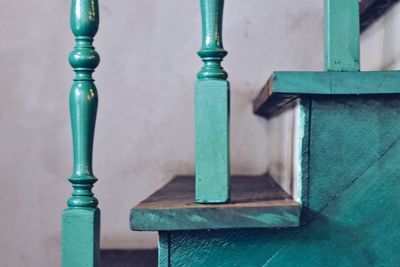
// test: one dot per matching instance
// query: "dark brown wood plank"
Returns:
(276, 104)
(257, 202)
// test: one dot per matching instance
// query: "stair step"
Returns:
(257, 202)
(283, 87)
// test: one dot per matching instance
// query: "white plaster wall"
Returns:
(145, 124)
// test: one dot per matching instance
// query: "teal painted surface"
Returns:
(284, 87)
(163, 249)
(264, 217)
(359, 227)
(83, 101)
(212, 141)
(81, 220)
(80, 239)
(355, 150)
(212, 50)
(212, 111)
(342, 35)
(176, 219)
(304, 150)
(256, 202)
(366, 82)
(350, 151)
(360, 129)
(233, 248)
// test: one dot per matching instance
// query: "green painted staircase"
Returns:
(342, 207)
(347, 137)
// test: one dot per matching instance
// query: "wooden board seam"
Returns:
(336, 196)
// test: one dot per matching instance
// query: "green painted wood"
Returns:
(212, 50)
(350, 149)
(354, 183)
(342, 61)
(163, 249)
(233, 248)
(257, 202)
(360, 129)
(359, 228)
(212, 141)
(342, 35)
(354, 123)
(303, 142)
(350, 180)
(336, 83)
(283, 87)
(212, 111)
(80, 236)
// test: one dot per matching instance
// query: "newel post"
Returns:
(212, 110)
(81, 220)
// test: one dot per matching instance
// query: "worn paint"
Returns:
(163, 249)
(364, 210)
(360, 129)
(199, 219)
(303, 143)
(336, 83)
(349, 170)
(353, 170)
(250, 248)
(81, 221)
(212, 111)
(257, 202)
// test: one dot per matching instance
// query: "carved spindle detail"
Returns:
(83, 100)
(81, 220)
(212, 50)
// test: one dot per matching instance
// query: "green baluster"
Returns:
(212, 111)
(81, 220)
(342, 35)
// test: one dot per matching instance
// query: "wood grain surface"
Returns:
(257, 201)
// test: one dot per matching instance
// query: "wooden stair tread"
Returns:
(283, 87)
(256, 202)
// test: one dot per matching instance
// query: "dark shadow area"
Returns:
(128, 258)
(372, 10)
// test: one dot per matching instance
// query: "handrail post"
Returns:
(342, 35)
(81, 220)
(212, 110)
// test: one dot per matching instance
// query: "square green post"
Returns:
(342, 35)
(80, 238)
(212, 110)
(212, 141)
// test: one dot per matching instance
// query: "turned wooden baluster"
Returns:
(81, 220)
(342, 35)
(212, 110)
